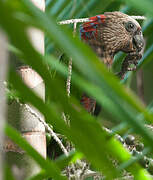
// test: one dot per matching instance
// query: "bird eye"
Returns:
(129, 26)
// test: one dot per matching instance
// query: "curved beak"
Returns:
(138, 42)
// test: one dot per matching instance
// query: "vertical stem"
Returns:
(140, 85)
(3, 72)
(23, 120)
(68, 88)
(68, 82)
(74, 29)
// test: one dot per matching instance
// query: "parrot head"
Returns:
(112, 32)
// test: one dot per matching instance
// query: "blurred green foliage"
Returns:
(119, 102)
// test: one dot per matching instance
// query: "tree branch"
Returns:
(29, 109)
(81, 20)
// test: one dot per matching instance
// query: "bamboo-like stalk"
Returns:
(3, 72)
(24, 121)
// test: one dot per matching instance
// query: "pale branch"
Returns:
(68, 89)
(68, 82)
(82, 20)
(139, 17)
(34, 113)
(72, 21)
(74, 29)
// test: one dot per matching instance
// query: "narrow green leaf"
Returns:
(8, 174)
(40, 176)
(144, 6)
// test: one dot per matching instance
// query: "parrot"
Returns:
(107, 34)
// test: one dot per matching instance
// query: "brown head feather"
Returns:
(112, 36)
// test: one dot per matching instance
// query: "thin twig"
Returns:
(81, 20)
(72, 21)
(139, 17)
(29, 109)
(74, 29)
(68, 82)
(68, 88)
